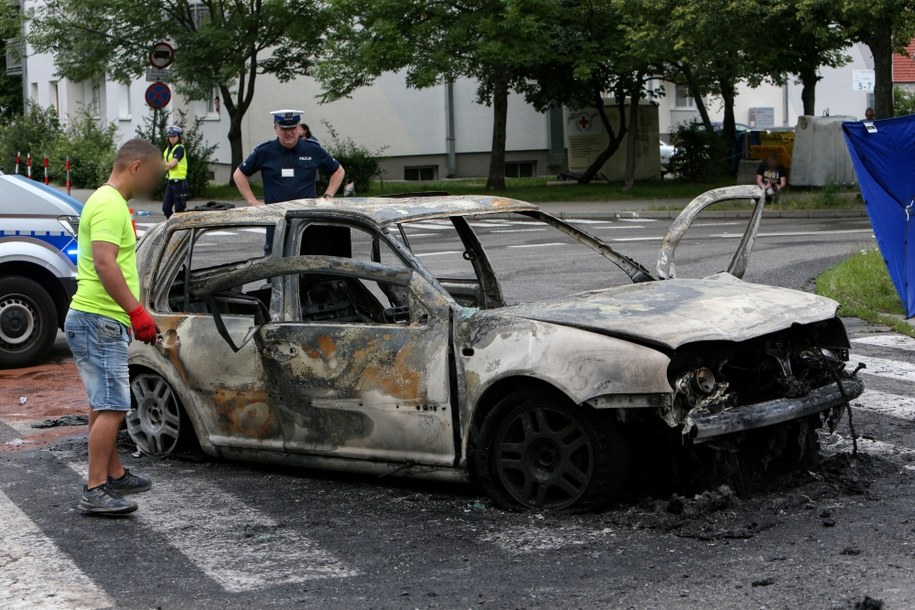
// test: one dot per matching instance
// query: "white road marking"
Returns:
(586, 221)
(236, 545)
(34, 573)
(637, 219)
(489, 223)
(261, 231)
(146, 224)
(438, 253)
(884, 367)
(220, 233)
(428, 225)
(888, 340)
(715, 224)
(655, 238)
(797, 233)
(553, 243)
(412, 235)
(884, 403)
(518, 230)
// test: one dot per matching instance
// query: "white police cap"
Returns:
(287, 119)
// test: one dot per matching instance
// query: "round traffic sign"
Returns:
(158, 95)
(161, 55)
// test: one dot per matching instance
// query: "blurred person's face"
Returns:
(146, 175)
(869, 114)
(287, 137)
(173, 140)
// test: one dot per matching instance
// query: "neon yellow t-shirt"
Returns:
(105, 217)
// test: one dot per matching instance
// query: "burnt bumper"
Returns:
(706, 426)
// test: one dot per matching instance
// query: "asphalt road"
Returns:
(215, 534)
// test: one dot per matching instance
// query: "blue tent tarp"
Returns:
(883, 153)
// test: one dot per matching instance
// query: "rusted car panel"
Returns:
(405, 387)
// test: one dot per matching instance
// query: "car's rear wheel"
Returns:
(28, 321)
(538, 451)
(157, 423)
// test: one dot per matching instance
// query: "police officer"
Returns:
(175, 160)
(288, 167)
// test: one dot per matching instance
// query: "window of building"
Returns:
(200, 13)
(682, 98)
(54, 95)
(209, 108)
(420, 173)
(33, 92)
(520, 169)
(124, 102)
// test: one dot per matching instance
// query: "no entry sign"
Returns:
(158, 95)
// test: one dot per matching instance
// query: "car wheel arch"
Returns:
(495, 392)
(183, 397)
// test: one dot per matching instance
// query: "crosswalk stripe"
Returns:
(884, 403)
(34, 573)
(894, 341)
(884, 367)
(238, 546)
(553, 243)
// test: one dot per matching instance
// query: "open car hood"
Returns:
(674, 312)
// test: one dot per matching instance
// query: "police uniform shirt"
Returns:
(289, 173)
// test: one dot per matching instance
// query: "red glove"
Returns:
(144, 328)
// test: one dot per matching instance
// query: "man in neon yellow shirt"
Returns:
(104, 310)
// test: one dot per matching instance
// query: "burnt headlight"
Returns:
(700, 381)
(820, 359)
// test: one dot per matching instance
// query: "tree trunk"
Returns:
(729, 124)
(632, 136)
(880, 44)
(696, 94)
(496, 178)
(615, 138)
(809, 79)
(234, 135)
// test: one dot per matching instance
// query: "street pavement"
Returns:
(216, 534)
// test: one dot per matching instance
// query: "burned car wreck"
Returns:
(355, 347)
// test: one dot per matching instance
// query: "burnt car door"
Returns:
(358, 365)
(224, 375)
(667, 268)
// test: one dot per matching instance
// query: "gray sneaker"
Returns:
(102, 500)
(129, 483)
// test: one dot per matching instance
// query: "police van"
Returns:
(38, 229)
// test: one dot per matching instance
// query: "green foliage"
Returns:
(37, 131)
(903, 101)
(199, 152)
(700, 156)
(90, 148)
(862, 286)
(223, 44)
(361, 165)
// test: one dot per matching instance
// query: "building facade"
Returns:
(426, 134)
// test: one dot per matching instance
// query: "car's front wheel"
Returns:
(157, 423)
(537, 450)
(28, 321)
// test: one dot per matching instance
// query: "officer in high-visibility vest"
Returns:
(175, 159)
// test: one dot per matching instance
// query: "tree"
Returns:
(222, 44)
(435, 43)
(593, 54)
(886, 27)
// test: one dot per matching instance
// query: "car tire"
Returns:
(539, 451)
(28, 321)
(157, 422)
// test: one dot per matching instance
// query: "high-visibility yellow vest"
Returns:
(179, 172)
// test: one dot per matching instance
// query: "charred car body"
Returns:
(345, 349)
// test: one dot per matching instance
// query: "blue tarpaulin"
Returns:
(884, 156)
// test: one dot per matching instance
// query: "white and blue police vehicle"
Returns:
(38, 230)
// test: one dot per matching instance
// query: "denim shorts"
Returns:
(99, 345)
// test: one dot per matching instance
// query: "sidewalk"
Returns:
(585, 210)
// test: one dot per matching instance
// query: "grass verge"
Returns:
(862, 286)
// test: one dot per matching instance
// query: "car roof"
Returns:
(381, 211)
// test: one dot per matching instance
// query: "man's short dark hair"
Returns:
(136, 149)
